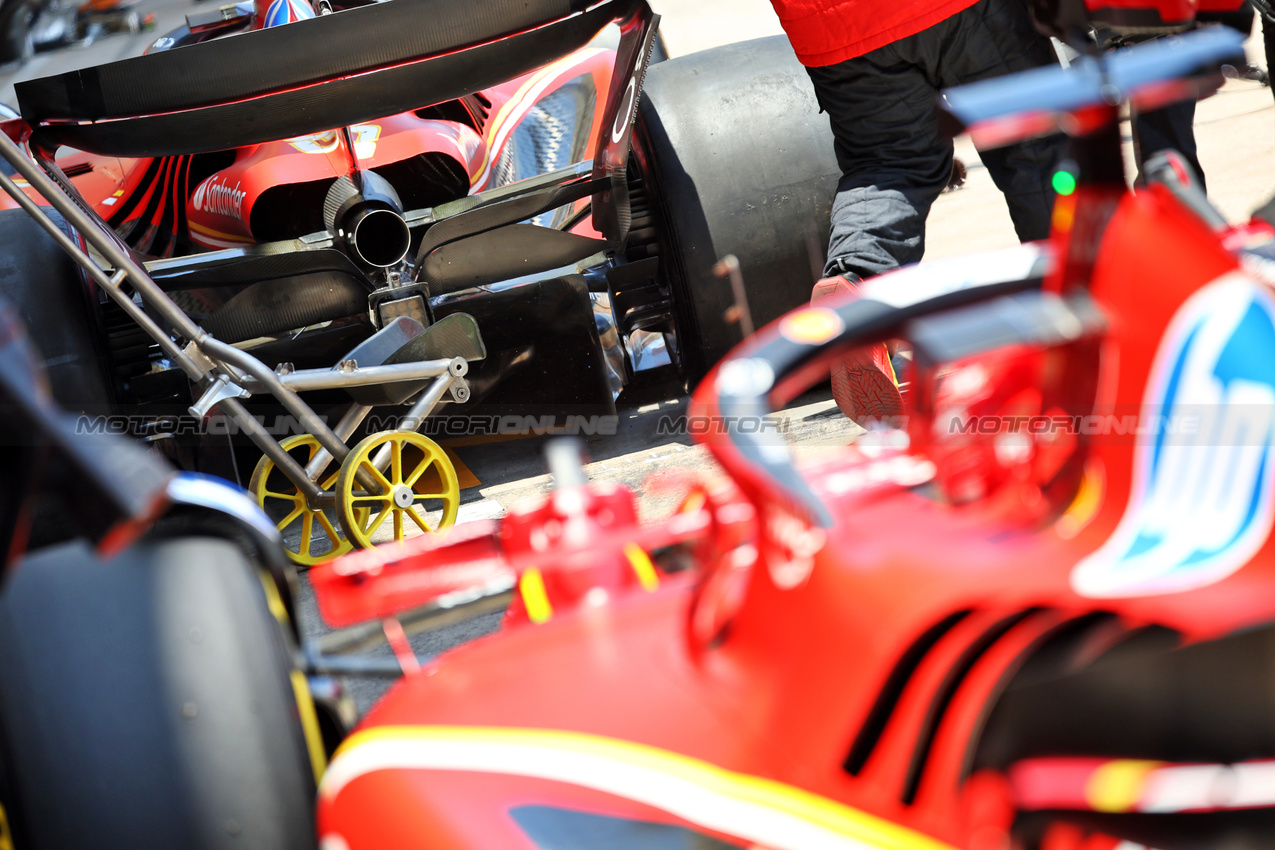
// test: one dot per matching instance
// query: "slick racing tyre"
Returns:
(738, 159)
(149, 701)
(52, 297)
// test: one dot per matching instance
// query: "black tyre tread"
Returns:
(741, 162)
(54, 300)
(145, 702)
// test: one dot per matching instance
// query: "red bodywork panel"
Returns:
(809, 687)
(145, 199)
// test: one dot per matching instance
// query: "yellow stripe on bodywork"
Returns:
(1117, 786)
(763, 811)
(642, 566)
(534, 597)
(217, 234)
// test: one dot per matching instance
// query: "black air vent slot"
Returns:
(947, 690)
(888, 698)
(471, 110)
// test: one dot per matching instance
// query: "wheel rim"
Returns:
(287, 507)
(418, 489)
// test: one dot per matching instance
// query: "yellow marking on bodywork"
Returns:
(1117, 785)
(1085, 506)
(217, 234)
(534, 596)
(642, 565)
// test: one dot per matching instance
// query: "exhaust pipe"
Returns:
(364, 213)
(376, 237)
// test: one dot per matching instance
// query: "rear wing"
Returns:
(313, 75)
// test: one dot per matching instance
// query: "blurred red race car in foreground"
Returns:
(1040, 617)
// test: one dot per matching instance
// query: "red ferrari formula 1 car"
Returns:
(511, 214)
(1040, 617)
(588, 264)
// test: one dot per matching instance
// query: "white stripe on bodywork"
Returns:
(764, 812)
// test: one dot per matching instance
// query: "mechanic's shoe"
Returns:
(863, 384)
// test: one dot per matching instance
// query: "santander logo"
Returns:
(214, 196)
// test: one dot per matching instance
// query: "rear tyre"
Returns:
(54, 300)
(731, 144)
(148, 701)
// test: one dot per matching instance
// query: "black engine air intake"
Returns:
(364, 213)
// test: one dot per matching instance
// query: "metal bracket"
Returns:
(199, 358)
(222, 389)
(460, 390)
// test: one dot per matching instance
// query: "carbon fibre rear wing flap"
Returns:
(313, 75)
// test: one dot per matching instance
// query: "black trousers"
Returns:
(1169, 128)
(895, 160)
(1173, 127)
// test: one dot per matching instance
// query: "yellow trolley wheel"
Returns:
(418, 487)
(284, 504)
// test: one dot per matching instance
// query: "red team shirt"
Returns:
(825, 32)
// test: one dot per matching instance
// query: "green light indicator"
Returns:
(1064, 182)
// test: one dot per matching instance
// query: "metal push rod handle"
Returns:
(264, 375)
(264, 441)
(416, 415)
(349, 423)
(327, 379)
(270, 447)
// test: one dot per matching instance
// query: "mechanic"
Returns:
(878, 67)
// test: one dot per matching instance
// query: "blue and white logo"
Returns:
(287, 11)
(1202, 503)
